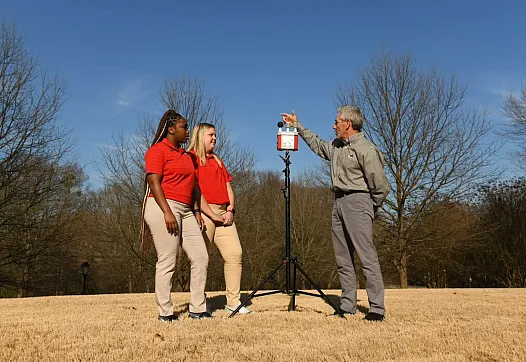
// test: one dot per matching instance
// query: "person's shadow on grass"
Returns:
(335, 299)
(218, 302)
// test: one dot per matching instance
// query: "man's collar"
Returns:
(354, 138)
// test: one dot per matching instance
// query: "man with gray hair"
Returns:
(360, 187)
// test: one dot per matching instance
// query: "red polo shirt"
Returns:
(177, 169)
(212, 181)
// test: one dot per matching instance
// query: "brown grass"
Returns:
(421, 325)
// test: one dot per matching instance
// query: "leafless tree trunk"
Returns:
(434, 144)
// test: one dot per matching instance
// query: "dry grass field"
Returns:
(421, 325)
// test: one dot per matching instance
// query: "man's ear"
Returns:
(171, 129)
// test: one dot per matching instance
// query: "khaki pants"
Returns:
(227, 241)
(167, 246)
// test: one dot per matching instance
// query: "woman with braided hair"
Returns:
(171, 198)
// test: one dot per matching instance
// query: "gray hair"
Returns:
(353, 114)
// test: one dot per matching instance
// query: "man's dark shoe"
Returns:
(372, 316)
(167, 318)
(202, 315)
(344, 312)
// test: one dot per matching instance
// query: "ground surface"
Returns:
(421, 325)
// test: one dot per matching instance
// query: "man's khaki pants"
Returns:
(167, 245)
(227, 241)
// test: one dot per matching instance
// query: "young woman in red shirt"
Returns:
(214, 183)
(168, 209)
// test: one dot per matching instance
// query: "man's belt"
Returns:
(339, 194)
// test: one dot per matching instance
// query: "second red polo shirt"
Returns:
(212, 181)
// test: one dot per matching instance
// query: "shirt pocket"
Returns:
(349, 165)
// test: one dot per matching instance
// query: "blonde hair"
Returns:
(197, 143)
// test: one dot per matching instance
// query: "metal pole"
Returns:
(84, 283)
(286, 192)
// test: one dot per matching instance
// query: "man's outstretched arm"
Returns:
(317, 145)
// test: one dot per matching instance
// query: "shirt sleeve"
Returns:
(317, 145)
(195, 162)
(154, 158)
(227, 175)
(374, 173)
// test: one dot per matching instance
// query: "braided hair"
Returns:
(169, 118)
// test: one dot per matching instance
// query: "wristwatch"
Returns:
(232, 211)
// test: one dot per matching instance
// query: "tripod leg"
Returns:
(244, 303)
(336, 309)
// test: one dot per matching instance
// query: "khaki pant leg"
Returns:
(166, 246)
(227, 241)
(194, 246)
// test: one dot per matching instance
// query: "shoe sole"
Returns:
(228, 310)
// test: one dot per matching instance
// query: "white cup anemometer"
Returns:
(287, 138)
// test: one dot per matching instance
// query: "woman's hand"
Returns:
(171, 223)
(200, 220)
(217, 219)
(228, 218)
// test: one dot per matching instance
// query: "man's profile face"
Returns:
(340, 127)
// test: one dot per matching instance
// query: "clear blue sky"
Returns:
(258, 58)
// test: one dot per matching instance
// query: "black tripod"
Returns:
(288, 261)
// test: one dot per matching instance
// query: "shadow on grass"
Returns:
(335, 299)
(218, 302)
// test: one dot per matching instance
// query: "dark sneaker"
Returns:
(372, 316)
(202, 315)
(167, 318)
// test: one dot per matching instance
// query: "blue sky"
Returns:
(258, 58)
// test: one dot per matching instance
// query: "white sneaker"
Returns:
(243, 310)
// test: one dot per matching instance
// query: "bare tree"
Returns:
(38, 175)
(188, 97)
(515, 109)
(503, 207)
(434, 144)
(29, 103)
(450, 230)
(261, 228)
(311, 239)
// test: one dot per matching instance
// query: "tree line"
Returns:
(449, 220)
